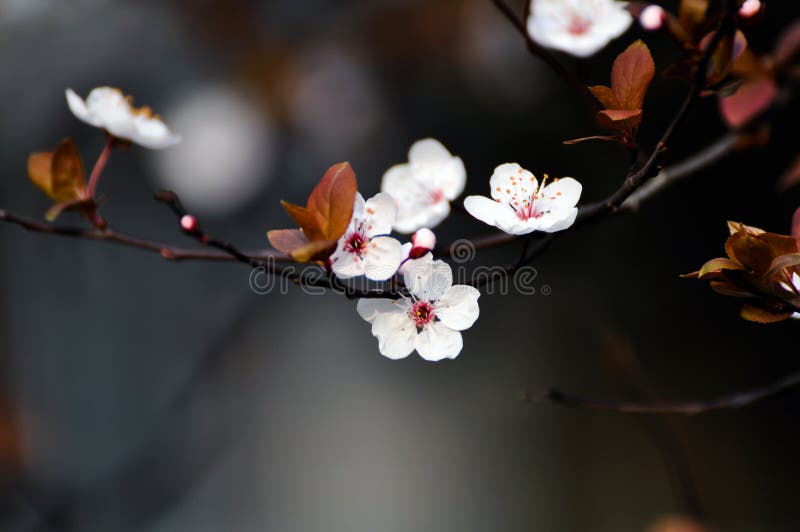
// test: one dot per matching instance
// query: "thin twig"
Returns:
(690, 408)
(544, 54)
(167, 251)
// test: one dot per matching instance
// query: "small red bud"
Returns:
(749, 8)
(652, 17)
(189, 223)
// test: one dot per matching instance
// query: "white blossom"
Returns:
(109, 109)
(423, 187)
(365, 248)
(519, 205)
(577, 27)
(430, 320)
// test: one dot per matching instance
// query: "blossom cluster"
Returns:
(415, 197)
(353, 242)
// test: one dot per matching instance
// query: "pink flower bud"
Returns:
(424, 239)
(652, 17)
(189, 223)
(749, 8)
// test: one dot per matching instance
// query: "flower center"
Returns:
(422, 313)
(579, 25)
(356, 243)
(436, 196)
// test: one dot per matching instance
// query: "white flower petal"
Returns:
(78, 108)
(110, 109)
(428, 151)
(369, 309)
(458, 307)
(450, 178)
(498, 215)
(380, 215)
(153, 133)
(396, 334)
(428, 280)
(382, 259)
(578, 27)
(346, 264)
(511, 183)
(563, 193)
(557, 220)
(437, 342)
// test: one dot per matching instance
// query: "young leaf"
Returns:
(324, 218)
(333, 198)
(68, 177)
(58, 174)
(606, 96)
(631, 75)
(619, 119)
(762, 315)
(750, 100)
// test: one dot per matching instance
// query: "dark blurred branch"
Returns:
(690, 408)
(167, 251)
(544, 54)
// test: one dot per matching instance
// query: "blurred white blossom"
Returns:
(577, 27)
(109, 109)
(424, 186)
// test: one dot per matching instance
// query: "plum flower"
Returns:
(430, 320)
(364, 248)
(111, 110)
(519, 205)
(423, 187)
(578, 27)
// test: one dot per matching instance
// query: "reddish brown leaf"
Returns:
(306, 219)
(68, 176)
(287, 240)
(716, 266)
(40, 171)
(788, 45)
(619, 120)
(608, 138)
(749, 101)
(316, 250)
(791, 177)
(333, 199)
(761, 315)
(324, 218)
(606, 97)
(86, 207)
(796, 227)
(727, 52)
(631, 75)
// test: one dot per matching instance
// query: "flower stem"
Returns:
(102, 160)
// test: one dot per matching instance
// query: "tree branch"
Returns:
(544, 54)
(167, 251)
(690, 408)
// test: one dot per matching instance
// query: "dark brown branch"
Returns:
(167, 251)
(690, 408)
(542, 53)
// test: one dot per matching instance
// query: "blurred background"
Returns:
(142, 395)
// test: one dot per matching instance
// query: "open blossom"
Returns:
(519, 205)
(364, 248)
(111, 110)
(578, 27)
(430, 320)
(423, 187)
(794, 289)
